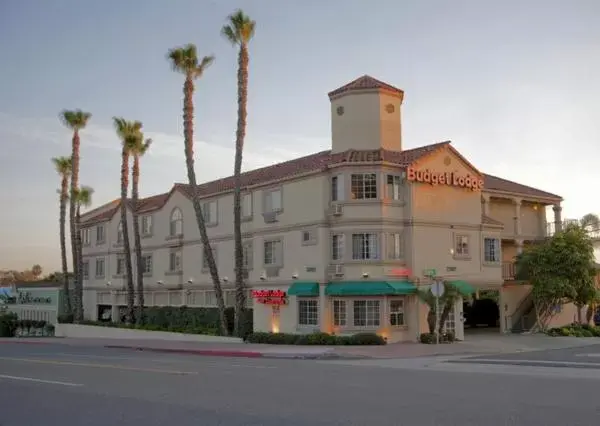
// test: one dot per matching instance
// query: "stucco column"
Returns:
(485, 204)
(115, 306)
(519, 244)
(557, 217)
(325, 322)
(517, 218)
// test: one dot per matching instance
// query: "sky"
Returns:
(514, 85)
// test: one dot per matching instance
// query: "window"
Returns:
(210, 298)
(213, 250)
(100, 268)
(120, 265)
(366, 313)
(247, 205)
(120, 232)
(86, 270)
(86, 237)
(176, 223)
(394, 187)
(99, 234)
(229, 298)
(397, 313)
(147, 264)
(365, 246)
(461, 245)
(209, 212)
(394, 246)
(337, 247)
(273, 201)
(272, 253)
(491, 247)
(308, 312)
(175, 261)
(308, 237)
(248, 250)
(339, 313)
(337, 188)
(146, 225)
(364, 186)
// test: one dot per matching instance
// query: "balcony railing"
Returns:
(508, 271)
(593, 232)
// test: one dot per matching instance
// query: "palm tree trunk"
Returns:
(128, 265)
(240, 288)
(188, 130)
(73, 224)
(135, 178)
(64, 195)
(79, 289)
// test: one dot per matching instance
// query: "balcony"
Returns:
(508, 271)
(593, 231)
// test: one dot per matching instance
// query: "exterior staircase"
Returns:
(524, 318)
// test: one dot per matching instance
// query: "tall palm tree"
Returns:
(75, 120)
(239, 31)
(185, 61)
(590, 222)
(138, 150)
(63, 168)
(128, 132)
(83, 198)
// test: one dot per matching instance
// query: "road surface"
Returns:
(56, 385)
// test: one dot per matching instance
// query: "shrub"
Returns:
(575, 330)
(430, 338)
(65, 319)
(8, 324)
(318, 338)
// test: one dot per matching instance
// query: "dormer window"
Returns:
(176, 223)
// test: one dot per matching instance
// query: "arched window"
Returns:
(176, 223)
(120, 232)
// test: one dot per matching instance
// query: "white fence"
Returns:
(37, 313)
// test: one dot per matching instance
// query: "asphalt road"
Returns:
(55, 385)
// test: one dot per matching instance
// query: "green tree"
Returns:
(128, 132)
(446, 302)
(75, 120)
(185, 60)
(138, 150)
(239, 31)
(63, 168)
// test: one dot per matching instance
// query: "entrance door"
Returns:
(454, 323)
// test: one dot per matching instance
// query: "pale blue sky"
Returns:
(513, 84)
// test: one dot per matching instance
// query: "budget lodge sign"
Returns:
(444, 178)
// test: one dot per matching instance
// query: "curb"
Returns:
(17, 342)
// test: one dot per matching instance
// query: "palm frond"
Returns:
(240, 28)
(204, 64)
(62, 165)
(83, 196)
(74, 119)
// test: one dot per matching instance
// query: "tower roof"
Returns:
(366, 82)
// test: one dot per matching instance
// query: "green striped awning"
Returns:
(304, 289)
(369, 288)
(463, 287)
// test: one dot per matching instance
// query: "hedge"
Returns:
(575, 330)
(11, 325)
(430, 338)
(315, 339)
(180, 319)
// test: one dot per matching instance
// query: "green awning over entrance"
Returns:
(369, 288)
(304, 289)
(463, 287)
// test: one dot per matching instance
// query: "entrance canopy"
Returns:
(304, 289)
(463, 287)
(369, 288)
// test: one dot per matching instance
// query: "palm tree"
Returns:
(128, 132)
(138, 150)
(239, 31)
(75, 120)
(185, 61)
(83, 197)
(63, 167)
(446, 302)
(590, 222)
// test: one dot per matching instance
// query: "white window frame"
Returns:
(145, 269)
(308, 312)
(365, 246)
(86, 269)
(273, 204)
(120, 264)
(175, 261)
(247, 205)
(248, 252)
(147, 226)
(462, 246)
(397, 313)
(492, 250)
(100, 261)
(213, 249)
(393, 184)
(210, 213)
(337, 247)
(120, 236)
(339, 309)
(363, 186)
(272, 250)
(338, 192)
(372, 311)
(395, 246)
(86, 239)
(176, 222)
(100, 232)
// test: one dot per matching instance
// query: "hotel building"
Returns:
(330, 231)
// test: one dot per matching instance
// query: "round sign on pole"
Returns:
(437, 288)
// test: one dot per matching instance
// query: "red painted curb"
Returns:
(199, 352)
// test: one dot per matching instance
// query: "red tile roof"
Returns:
(312, 163)
(366, 82)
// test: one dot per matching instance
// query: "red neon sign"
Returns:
(270, 297)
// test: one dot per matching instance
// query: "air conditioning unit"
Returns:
(337, 209)
(336, 270)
